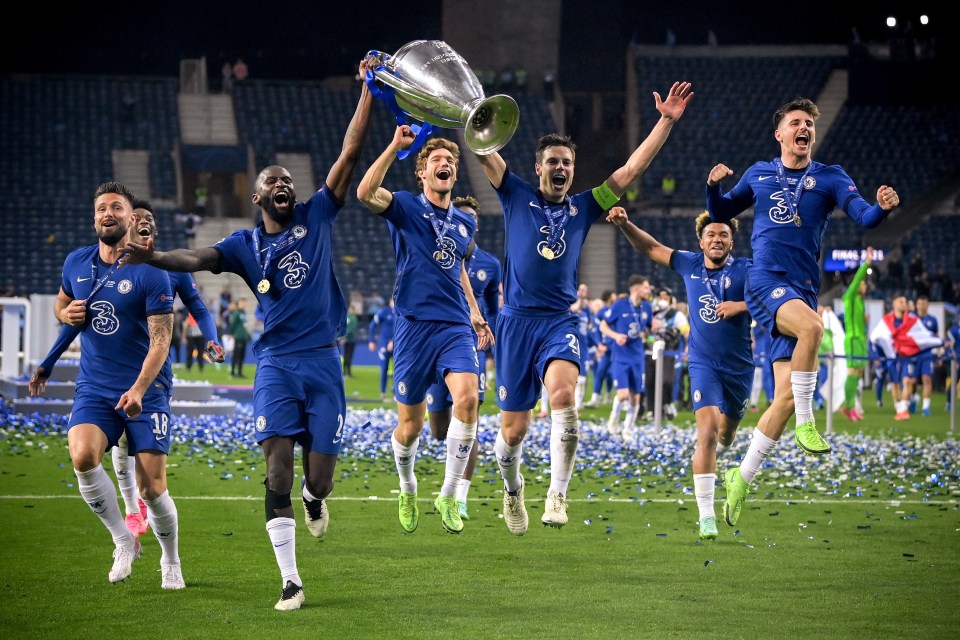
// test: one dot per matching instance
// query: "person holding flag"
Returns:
(901, 335)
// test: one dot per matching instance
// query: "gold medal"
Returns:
(796, 219)
(548, 253)
(438, 256)
(263, 286)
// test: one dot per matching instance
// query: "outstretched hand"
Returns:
(137, 252)
(677, 99)
(618, 216)
(38, 382)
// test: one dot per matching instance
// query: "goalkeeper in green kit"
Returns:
(855, 342)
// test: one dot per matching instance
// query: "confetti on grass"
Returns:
(657, 459)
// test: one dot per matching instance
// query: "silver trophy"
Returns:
(429, 81)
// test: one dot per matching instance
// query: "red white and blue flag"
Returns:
(909, 339)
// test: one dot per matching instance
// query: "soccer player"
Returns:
(183, 286)
(484, 272)
(793, 197)
(925, 359)
(855, 336)
(298, 392)
(902, 368)
(627, 323)
(953, 342)
(125, 320)
(436, 314)
(602, 380)
(380, 334)
(586, 333)
(719, 351)
(536, 332)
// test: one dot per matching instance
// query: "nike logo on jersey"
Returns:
(693, 277)
(534, 204)
(82, 279)
(762, 178)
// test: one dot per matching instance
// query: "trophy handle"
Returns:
(420, 131)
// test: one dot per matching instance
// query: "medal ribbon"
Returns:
(94, 269)
(282, 242)
(557, 222)
(439, 226)
(721, 278)
(793, 199)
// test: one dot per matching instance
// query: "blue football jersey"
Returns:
(115, 338)
(304, 308)
(430, 244)
(722, 344)
(632, 320)
(542, 244)
(779, 243)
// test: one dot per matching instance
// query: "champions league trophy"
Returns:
(428, 81)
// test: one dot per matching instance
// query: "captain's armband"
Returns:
(605, 196)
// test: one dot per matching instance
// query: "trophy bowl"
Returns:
(431, 82)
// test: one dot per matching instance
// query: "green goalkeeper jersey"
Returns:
(854, 311)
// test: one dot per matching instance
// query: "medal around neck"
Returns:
(263, 286)
(548, 253)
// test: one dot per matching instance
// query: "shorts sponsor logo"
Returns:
(697, 395)
(261, 423)
(502, 392)
(779, 292)
(401, 388)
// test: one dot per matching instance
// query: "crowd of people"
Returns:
(742, 326)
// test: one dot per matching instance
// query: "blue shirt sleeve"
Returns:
(64, 339)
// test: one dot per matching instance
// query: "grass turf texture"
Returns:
(867, 548)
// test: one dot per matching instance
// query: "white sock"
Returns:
(803, 384)
(405, 457)
(580, 391)
(124, 466)
(564, 437)
(902, 405)
(162, 516)
(508, 459)
(98, 492)
(615, 410)
(463, 488)
(633, 410)
(460, 439)
(760, 448)
(757, 386)
(283, 535)
(926, 403)
(703, 487)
